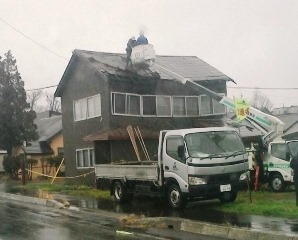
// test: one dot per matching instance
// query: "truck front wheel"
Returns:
(277, 183)
(175, 198)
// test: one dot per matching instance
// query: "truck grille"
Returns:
(223, 178)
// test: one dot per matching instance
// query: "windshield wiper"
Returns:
(214, 155)
(233, 154)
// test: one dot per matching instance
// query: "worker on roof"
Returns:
(130, 44)
(142, 40)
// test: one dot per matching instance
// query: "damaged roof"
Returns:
(190, 67)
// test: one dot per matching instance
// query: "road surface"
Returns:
(24, 221)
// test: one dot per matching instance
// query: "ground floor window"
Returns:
(85, 158)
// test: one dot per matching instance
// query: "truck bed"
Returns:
(128, 172)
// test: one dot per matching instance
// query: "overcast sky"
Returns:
(253, 42)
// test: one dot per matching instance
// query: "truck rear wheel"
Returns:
(175, 198)
(120, 193)
(277, 183)
(226, 197)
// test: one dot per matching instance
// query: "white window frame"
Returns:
(80, 101)
(176, 96)
(142, 106)
(212, 110)
(87, 108)
(127, 104)
(213, 100)
(95, 115)
(199, 106)
(171, 110)
(89, 162)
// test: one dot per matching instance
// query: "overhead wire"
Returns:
(62, 57)
(32, 40)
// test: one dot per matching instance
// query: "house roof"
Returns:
(49, 127)
(38, 147)
(190, 67)
(246, 129)
(288, 119)
(120, 134)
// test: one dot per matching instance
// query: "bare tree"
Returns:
(53, 104)
(261, 101)
(32, 99)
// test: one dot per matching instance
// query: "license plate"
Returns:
(225, 188)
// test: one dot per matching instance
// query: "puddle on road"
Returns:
(200, 211)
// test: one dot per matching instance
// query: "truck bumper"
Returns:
(213, 190)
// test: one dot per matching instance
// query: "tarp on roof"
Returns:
(120, 134)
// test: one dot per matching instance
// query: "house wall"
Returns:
(56, 143)
(83, 82)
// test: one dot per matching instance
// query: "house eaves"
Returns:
(120, 134)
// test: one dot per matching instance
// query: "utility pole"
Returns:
(23, 164)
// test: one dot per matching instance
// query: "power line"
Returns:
(264, 88)
(41, 88)
(32, 40)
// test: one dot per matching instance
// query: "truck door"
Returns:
(175, 166)
(279, 160)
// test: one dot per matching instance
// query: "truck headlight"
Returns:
(243, 176)
(196, 181)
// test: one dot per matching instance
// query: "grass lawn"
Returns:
(264, 203)
(74, 190)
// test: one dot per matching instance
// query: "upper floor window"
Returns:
(87, 108)
(126, 104)
(164, 106)
(209, 106)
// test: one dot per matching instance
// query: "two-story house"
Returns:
(100, 97)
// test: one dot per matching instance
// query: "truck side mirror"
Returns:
(180, 151)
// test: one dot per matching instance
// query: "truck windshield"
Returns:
(293, 148)
(214, 144)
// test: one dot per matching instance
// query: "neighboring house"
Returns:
(2, 154)
(285, 110)
(100, 98)
(50, 142)
(290, 127)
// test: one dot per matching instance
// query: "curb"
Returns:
(34, 200)
(227, 232)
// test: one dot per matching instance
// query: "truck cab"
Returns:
(203, 164)
(278, 161)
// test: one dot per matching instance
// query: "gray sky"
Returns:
(253, 42)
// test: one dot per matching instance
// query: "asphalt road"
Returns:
(20, 221)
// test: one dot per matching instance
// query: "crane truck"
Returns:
(279, 153)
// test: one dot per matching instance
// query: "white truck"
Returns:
(193, 164)
(277, 159)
